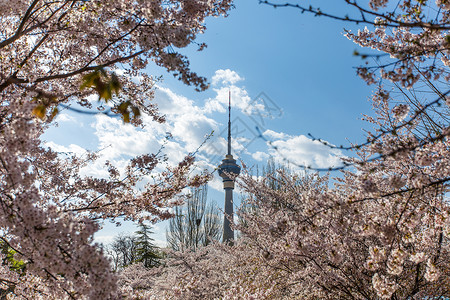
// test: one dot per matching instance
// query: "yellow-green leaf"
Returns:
(40, 111)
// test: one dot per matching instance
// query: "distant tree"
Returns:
(127, 249)
(194, 224)
(212, 226)
(123, 251)
(146, 251)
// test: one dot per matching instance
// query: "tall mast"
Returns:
(229, 122)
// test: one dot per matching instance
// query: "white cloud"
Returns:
(226, 77)
(161, 243)
(300, 150)
(72, 149)
(62, 117)
(240, 99)
(216, 183)
(172, 104)
(260, 156)
(119, 139)
(187, 122)
(276, 135)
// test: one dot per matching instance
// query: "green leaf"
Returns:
(89, 80)
(104, 84)
(123, 107)
(40, 111)
(136, 111)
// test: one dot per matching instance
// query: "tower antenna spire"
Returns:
(229, 122)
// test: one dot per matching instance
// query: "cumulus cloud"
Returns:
(119, 139)
(240, 99)
(62, 117)
(226, 77)
(70, 150)
(186, 128)
(275, 135)
(224, 82)
(301, 150)
(104, 239)
(95, 168)
(260, 156)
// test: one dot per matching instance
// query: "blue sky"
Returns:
(290, 74)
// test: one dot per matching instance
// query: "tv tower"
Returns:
(228, 170)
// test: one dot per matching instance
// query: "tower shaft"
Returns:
(228, 232)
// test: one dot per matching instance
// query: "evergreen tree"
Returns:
(146, 250)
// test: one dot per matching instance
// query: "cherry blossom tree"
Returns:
(216, 271)
(54, 54)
